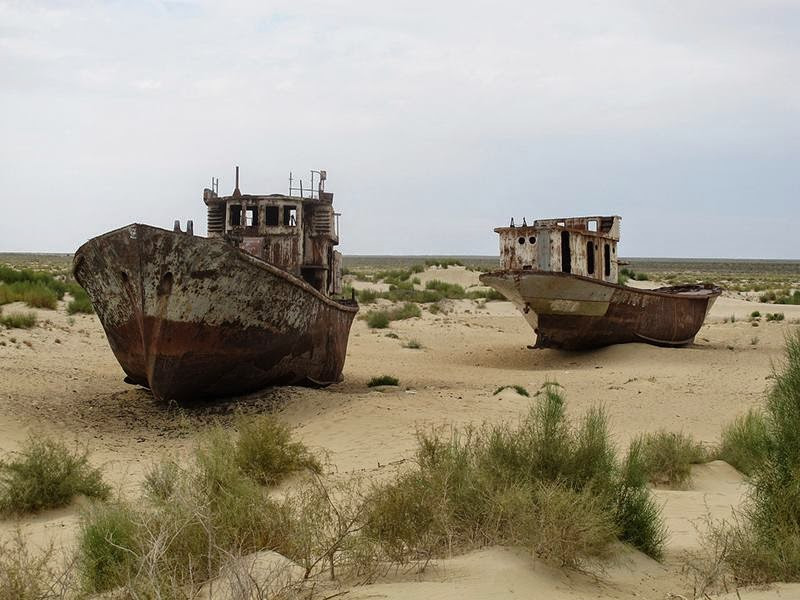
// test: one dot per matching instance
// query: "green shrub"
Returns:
(774, 316)
(443, 262)
(668, 457)
(383, 380)
(519, 389)
(448, 290)
(107, 546)
(555, 488)
(37, 289)
(80, 302)
(19, 320)
(764, 543)
(47, 474)
(744, 442)
(406, 311)
(367, 296)
(755, 314)
(485, 294)
(413, 344)
(266, 453)
(378, 319)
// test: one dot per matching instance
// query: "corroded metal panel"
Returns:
(573, 312)
(192, 317)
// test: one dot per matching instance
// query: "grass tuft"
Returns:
(745, 442)
(19, 320)
(383, 380)
(46, 474)
(266, 453)
(668, 457)
(518, 388)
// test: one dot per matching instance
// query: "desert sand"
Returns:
(61, 378)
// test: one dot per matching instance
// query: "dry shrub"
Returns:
(762, 543)
(47, 474)
(504, 485)
(669, 456)
(265, 451)
(25, 575)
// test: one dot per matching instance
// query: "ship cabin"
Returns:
(584, 246)
(296, 232)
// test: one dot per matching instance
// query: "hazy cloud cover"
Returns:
(436, 121)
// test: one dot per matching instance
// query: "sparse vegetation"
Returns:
(19, 320)
(668, 457)
(755, 314)
(413, 344)
(744, 442)
(380, 319)
(266, 453)
(761, 545)
(625, 274)
(447, 290)
(546, 485)
(36, 288)
(517, 388)
(28, 575)
(80, 302)
(383, 380)
(774, 316)
(47, 474)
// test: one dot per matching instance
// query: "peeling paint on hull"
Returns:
(191, 317)
(572, 312)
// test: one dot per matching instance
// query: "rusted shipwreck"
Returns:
(253, 304)
(562, 274)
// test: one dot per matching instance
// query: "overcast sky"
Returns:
(436, 121)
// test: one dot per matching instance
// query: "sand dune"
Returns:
(73, 388)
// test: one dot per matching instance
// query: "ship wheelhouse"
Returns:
(584, 246)
(296, 232)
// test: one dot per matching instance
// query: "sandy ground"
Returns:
(61, 378)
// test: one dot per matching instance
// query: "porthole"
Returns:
(521, 240)
(532, 240)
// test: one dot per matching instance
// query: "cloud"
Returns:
(436, 121)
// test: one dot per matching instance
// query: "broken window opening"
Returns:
(590, 258)
(236, 215)
(289, 216)
(251, 217)
(592, 225)
(271, 215)
(607, 260)
(566, 254)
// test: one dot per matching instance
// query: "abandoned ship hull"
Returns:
(191, 317)
(573, 312)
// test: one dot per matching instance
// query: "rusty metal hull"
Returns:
(192, 317)
(572, 312)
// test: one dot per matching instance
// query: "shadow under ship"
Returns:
(251, 305)
(562, 274)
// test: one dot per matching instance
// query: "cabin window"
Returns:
(236, 215)
(590, 258)
(521, 240)
(532, 240)
(566, 254)
(251, 217)
(607, 260)
(289, 216)
(271, 215)
(592, 225)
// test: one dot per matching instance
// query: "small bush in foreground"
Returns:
(774, 316)
(19, 320)
(520, 486)
(518, 388)
(413, 345)
(266, 453)
(107, 546)
(25, 575)
(383, 380)
(668, 457)
(744, 442)
(46, 474)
